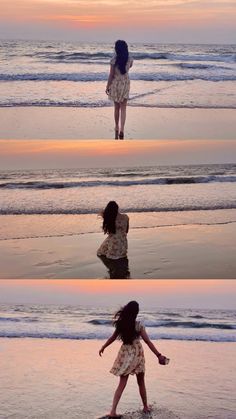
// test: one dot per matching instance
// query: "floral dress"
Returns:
(115, 246)
(120, 86)
(130, 358)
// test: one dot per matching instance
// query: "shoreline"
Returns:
(142, 123)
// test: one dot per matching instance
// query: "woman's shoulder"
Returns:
(113, 60)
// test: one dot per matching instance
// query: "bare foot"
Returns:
(147, 409)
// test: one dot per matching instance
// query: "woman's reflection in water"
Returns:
(117, 268)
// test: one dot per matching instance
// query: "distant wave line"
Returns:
(179, 180)
(63, 56)
(173, 324)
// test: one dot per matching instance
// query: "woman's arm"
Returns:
(108, 342)
(127, 228)
(110, 78)
(146, 339)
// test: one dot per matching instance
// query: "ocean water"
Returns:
(74, 74)
(47, 203)
(137, 190)
(79, 323)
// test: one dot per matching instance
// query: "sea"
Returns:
(47, 73)
(76, 322)
(68, 201)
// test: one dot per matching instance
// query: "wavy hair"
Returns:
(125, 322)
(109, 218)
(122, 55)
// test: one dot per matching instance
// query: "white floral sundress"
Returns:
(120, 85)
(130, 358)
(115, 246)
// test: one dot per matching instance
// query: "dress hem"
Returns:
(129, 373)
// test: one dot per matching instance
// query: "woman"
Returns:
(116, 225)
(118, 85)
(130, 358)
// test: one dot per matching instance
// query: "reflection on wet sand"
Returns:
(117, 268)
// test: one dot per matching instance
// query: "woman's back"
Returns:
(122, 223)
(115, 246)
(138, 328)
(127, 67)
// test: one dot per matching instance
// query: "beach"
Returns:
(182, 218)
(175, 245)
(178, 91)
(51, 378)
(29, 123)
(66, 185)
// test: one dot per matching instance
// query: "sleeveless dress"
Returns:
(115, 246)
(130, 358)
(120, 85)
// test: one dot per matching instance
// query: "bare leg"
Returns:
(116, 115)
(142, 391)
(118, 393)
(123, 115)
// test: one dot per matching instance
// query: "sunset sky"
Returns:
(43, 154)
(103, 293)
(186, 21)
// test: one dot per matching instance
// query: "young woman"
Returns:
(130, 358)
(116, 225)
(118, 85)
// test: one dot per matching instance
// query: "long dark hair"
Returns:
(122, 55)
(109, 217)
(124, 322)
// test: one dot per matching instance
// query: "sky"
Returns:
(45, 154)
(102, 293)
(189, 21)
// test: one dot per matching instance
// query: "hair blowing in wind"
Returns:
(124, 322)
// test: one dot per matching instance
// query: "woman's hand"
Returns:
(163, 360)
(101, 351)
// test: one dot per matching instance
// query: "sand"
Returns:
(179, 252)
(49, 379)
(155, 413)
(142, 123)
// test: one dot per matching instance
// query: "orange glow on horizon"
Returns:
(145, 286)
(106, 13)
(109, 153)
(114, 293)
(96, 146)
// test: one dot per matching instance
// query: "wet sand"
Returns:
(142, 123)
(179, 252)
(45, 378)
